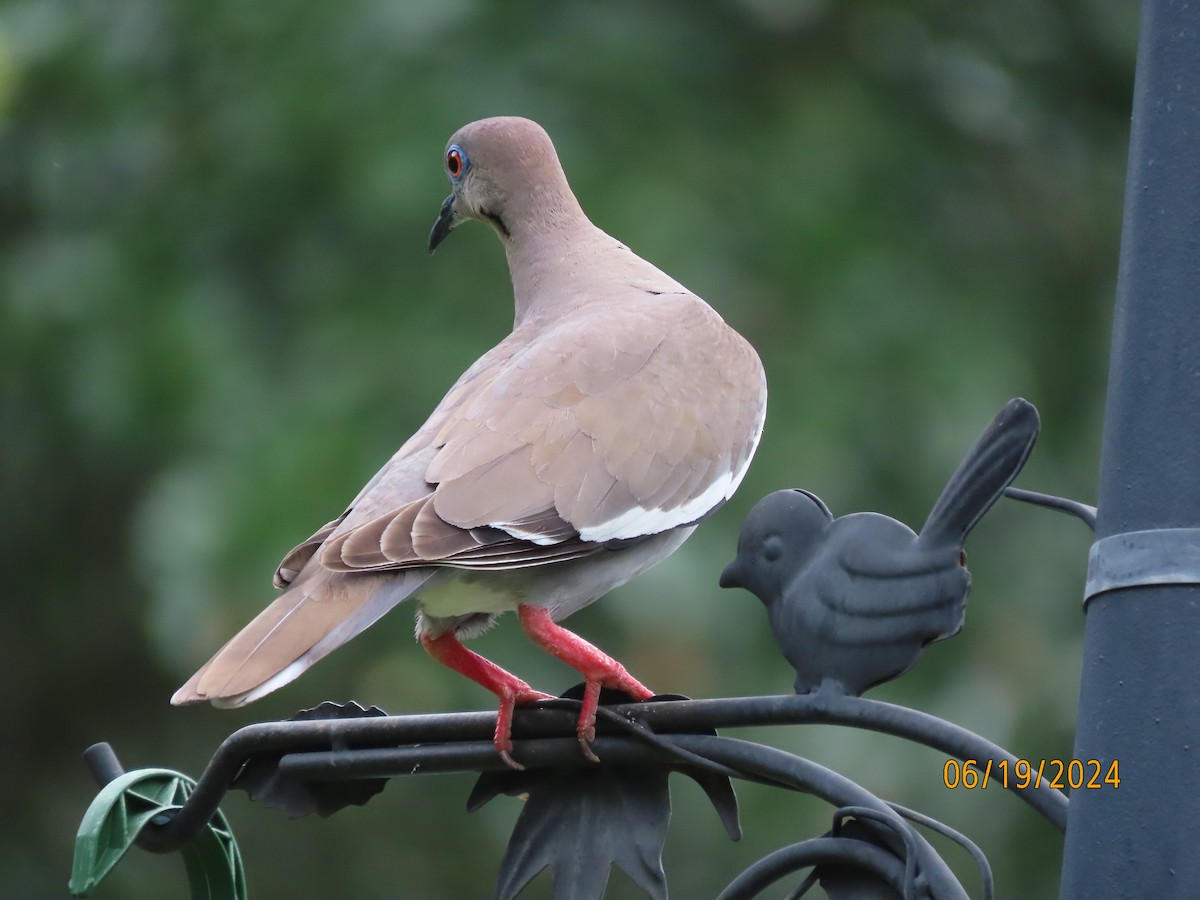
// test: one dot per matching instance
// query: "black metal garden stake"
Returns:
(1140, 697)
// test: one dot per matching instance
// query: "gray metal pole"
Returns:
(1139, 702)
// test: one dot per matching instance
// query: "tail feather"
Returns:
(980, 479)
(319, 612)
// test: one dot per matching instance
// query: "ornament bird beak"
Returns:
(731, 575)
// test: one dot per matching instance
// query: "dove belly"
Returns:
(580, 582)
(571, 585)
(465, 594)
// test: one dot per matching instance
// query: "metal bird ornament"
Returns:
(571, 457)
(854, 601)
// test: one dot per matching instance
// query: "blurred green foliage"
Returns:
(218, 317)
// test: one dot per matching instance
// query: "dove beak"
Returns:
(731, 577)
(447, 219)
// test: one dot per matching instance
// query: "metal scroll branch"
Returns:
(852, 602)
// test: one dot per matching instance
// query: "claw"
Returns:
(586, 729)
(586, 747)
(617, 679)
(509, 699)
(510, 762)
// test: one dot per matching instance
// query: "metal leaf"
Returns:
(131, 802)
(260, 777)
(579, 823)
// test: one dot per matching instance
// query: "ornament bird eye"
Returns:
(773, 548)
(456, 161)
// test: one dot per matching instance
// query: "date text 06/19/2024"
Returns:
(1059, 774)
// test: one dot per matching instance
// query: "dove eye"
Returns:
(456, 161)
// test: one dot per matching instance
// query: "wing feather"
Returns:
(586, 435)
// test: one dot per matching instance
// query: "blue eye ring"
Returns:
(456, 162)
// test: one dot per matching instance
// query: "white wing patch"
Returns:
(639, 522)
(522, 534)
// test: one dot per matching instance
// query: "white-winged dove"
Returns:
(574, 455)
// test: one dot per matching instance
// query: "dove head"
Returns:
(504, 171)
(776, 538)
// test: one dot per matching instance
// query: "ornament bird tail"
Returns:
(980, 479)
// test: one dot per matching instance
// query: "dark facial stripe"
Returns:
(497, 221)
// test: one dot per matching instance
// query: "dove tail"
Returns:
(980, 479)
(319, 612)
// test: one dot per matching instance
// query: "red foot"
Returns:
(508, 687)
(597, 668)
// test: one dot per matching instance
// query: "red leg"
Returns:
(508, 687)
(597, 667)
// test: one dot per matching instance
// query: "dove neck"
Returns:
(549, 263)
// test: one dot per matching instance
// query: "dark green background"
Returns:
(218, 318)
